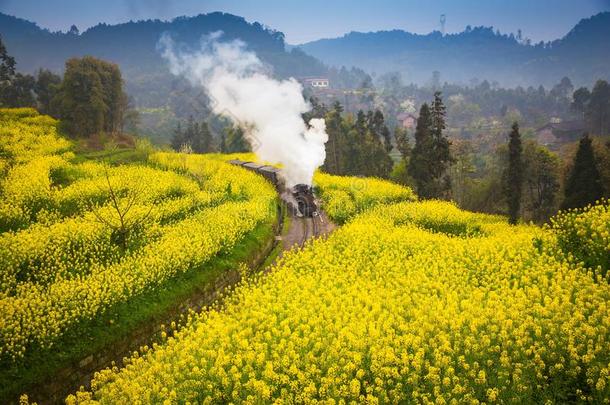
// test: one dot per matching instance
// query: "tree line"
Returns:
(89, 99)
(526, 182)
(594, 107)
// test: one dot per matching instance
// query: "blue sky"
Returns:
(308, 20)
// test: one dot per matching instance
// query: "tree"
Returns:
(196, 137)
(563, 89)
(402, 142)
(203, 140)
(235, 140)
(541, 181)
(18, 91)
(46, 88)
(422, 153)
(514, 175)
(583, 184)
(580, 100)
(120, 219)
(82, 107)
(7, 64)
(91, 99)
(598, 111)
(223, 143)
(379, 128)
(442, 158)
(334, 163)
(177, 138)
(463, 153)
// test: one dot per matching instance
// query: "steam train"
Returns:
(300, 199)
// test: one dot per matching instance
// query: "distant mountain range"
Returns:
(476, 53)
(133, 46)
(583, 55)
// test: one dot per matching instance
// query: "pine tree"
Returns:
(178, 138)
(422, 153)
(223, 143)
(514, 175)
(7, 64)
(442, 158)
(431, 156)
(583, 185)
(335, 146)
(236, 142)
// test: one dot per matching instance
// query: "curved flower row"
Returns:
(394, 307)
(63, 264)
(344, 196)
(46, 253)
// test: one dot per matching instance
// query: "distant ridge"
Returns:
(583, 54)
(480, 52)
(133, 46)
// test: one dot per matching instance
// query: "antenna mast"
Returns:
(443, 20)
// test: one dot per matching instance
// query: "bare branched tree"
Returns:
(121, 207)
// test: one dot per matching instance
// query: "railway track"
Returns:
(310, 228)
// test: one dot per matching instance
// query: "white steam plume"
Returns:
(268, 110)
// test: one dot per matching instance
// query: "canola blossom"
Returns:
(584, 235)
(410, 302)
(343, 197)
(59, 257)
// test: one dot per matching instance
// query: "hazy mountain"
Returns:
(133, 46)
(583, 54)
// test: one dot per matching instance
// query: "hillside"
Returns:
(133, 46)
(583, 54)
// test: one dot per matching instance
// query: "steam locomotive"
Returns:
(300, 198)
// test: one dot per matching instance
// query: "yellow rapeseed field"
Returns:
(410, 302)
(583, 235)
(343, 197)
(59, 257)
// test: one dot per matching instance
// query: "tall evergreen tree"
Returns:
(236, 142)
(598, 111)
(441, 150)
(514, 175)
(422, 155)
(177, 138)
(7, 64)
(431, 155)
(334, 163)
(583, 185)
(223, 143)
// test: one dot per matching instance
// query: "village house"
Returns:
(560, 131)
(316, 82)
(407, 120)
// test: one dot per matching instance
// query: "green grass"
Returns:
(92, 336)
